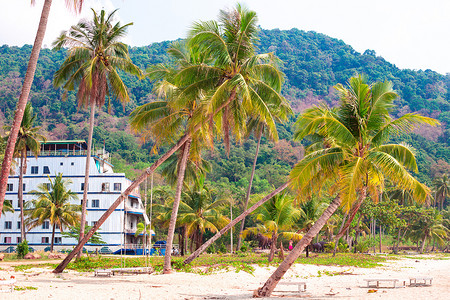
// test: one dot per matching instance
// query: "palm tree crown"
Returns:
(355, 155)
(53, 204)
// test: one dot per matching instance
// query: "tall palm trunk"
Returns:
(176, 203)
(380, 238)
(23, 99)
(273, 245)
(269, 286)
(247, 196)
(234, 222)
(53, 237)
(132, 186)
(86, 174)
(22, 170)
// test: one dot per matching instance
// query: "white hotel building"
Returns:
(105, 186)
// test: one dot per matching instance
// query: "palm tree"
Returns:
(277, 217)
(355, 158)
(27, 139)
(200, 211)
(255, 125)
(94, 58)
(442, 189)
(25, 92)
(53, 204)
(428, 225)
(238, 83)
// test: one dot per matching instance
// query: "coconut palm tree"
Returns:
(238, 82)
(428, 225)
(442, 189)
(27, 139)
(200, 210)
(53, 204)
(95, 55)
(255, 125)
(76, 5)
(277, 218)
(355, 158)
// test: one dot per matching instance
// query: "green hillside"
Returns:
(312, 62)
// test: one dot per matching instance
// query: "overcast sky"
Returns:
(411, 34)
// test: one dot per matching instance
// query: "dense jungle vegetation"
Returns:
(313, 64)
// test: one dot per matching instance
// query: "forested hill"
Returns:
(313, 64)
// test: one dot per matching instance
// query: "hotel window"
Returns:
(105, 187)
(18, 225)
(8, 225)
(18, 203)
(46, 170)
(117, 187)
(93, 223)
(19, 240)
(7, 240)
(87, 202)
(72, 163)
(48, 186)
(9, 187)
(58, 240)
(23, 187)
(45, 240)
(95, 203)
(46, 225)
(34, 170)
(82, 186)
(61, 163)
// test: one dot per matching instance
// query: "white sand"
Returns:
(232, 285)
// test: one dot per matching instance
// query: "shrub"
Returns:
(342, 247)
(244, 246)
(22, 249)
(363, 246)
(211, 249)
(329, 247)
(222, 248)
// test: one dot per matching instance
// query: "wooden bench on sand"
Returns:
(103, 272)
(420, 281)
(301, 285)
(394, 282)
(10, 282)
(143, 270)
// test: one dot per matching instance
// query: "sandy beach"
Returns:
(344, 282)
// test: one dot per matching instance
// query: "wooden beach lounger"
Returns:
(103, 272)
(420, 281)
(394, 282)
(301, 285)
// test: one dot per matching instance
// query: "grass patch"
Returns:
(25, 288)
(344, 260)
(212, 263)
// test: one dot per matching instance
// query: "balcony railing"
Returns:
(64, 152)
(133, 209)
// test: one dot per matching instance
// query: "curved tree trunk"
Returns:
(247, 196)
(23, 157)
(86, 174)
(23, 99)
(234, 222)
(269, 286)
(53, 237)
(176, 203)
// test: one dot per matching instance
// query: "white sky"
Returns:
(411, 34)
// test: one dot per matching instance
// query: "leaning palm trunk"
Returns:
(247, 196)
(23, 99)
(176, 203)
(86, 175)
(271, 283)
(23, 158)
(118, 201)
(234, 222)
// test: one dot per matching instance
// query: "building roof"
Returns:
(64, 142)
